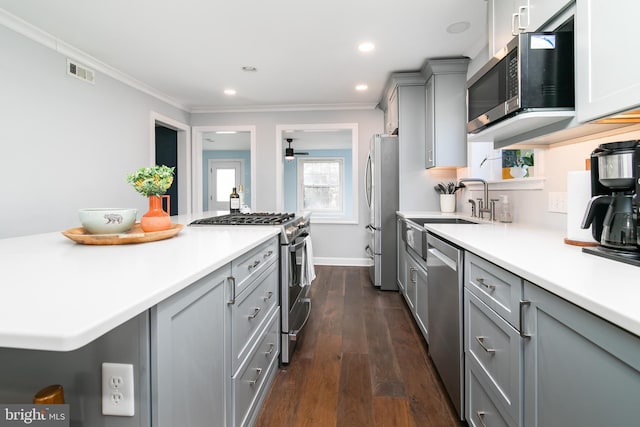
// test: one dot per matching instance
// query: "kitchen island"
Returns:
(168, 308)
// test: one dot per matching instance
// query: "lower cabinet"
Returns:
(189, 378)
(401, 258)
(533, 359)
(580, 370)
(214, 348)
(416, 295)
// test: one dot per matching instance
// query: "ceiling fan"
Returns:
(289, 154)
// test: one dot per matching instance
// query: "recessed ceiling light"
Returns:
(458, 27)
(366, 47)
(230, 92)
(362, 87)
(249, 69)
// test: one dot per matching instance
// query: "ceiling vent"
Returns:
(81, 72)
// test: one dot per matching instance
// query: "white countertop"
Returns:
(607, 288)
(60, 295)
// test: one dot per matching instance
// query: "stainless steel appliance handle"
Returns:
(367, 173)
(294, 248)
(445, 259)
(293, 335)
(369, 251)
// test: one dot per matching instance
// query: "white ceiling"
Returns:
(305, 51)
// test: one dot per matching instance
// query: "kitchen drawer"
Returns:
(249, 265)
(493, 349)
(249, 313)
(498, 288)
(481, 410)
(249, 383)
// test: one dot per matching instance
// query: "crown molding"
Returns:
(38, 35)
(284, 107)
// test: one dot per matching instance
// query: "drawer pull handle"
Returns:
(268, 297)
(254, 265)
(255, 380)
(255, 313)
(272, 346)
(267, 255)
(480, 415)
(484, 347)
(491, 288)
(523, 304)
(232, 281)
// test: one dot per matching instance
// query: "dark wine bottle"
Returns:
(234, 201)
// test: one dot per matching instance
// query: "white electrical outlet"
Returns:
(557, 202)
(117, 389)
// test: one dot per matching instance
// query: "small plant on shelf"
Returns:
(154, 181)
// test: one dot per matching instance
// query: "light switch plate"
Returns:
(558, 202)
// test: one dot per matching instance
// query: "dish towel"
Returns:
(308, 271)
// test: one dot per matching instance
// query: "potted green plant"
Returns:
(447, 196)
(153, 182)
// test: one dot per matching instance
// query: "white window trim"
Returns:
(332, 213)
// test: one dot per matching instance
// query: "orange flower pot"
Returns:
(156, 219)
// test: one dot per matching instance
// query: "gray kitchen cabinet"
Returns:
(446, 112)
(580, 370)
(492, 344)
(602, 32)
(215, 344)
(190, 378)
(418, 278)
(392, 103)
(401, 257)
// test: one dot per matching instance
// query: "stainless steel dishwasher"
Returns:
(445, 279)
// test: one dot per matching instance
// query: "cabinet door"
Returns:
(401, 258)
(188, 354)
(579, 369)
(391, 115)
(503, 23)
(430, 129)
(541, 11)
(422, 299)
(412, 283)
(607, 77)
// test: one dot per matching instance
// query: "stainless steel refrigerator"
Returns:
(381, 193)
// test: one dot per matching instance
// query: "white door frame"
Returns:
(196, 136)
(212, 189)
(185, 177)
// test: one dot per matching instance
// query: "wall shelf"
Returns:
(516, 184)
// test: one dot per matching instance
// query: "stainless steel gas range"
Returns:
(295, 296)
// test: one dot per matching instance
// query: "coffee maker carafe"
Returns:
(611, 212)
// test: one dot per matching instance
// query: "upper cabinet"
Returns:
(391, 101)
(446, 112)
(607, 78)
(508, 18)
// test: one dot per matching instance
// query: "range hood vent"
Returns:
(80, 71)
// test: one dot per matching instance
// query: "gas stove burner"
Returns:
(256, 218)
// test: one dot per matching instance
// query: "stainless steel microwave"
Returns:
(534, 71)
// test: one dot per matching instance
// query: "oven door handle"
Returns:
(294, 248)
(293, 335)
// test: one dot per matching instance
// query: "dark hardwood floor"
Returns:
(362, 363)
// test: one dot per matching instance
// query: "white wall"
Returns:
(332, 243)
(66, 144)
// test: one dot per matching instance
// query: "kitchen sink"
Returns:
(423, 221)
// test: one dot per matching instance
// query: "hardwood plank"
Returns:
(392, 412)
(355, 407)
(318, 399)
(353, 338)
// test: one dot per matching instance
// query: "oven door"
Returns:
(295, 299)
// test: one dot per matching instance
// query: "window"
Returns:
(321, 185)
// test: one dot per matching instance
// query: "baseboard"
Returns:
(354, 262)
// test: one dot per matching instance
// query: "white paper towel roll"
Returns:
(578, 195)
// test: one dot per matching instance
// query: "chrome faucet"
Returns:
(484, 205)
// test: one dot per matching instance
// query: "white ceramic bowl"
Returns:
(107, 220)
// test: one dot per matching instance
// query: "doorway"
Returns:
(167, 154)
(224, 176)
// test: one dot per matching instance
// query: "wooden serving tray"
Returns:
(135, 235)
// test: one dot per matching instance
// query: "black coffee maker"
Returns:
(612, 210)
